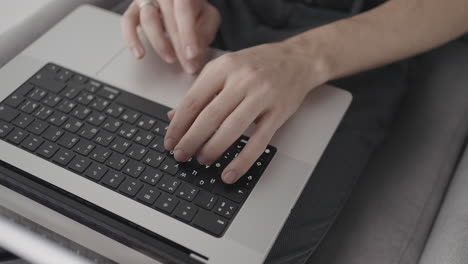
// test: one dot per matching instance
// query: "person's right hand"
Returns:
(178, 30)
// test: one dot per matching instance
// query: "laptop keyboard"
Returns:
(115, 138)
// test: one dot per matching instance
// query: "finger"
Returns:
(207, 26)
(151, 22)
(230, 130)
(170, 114)
(208, 84)
(186, 13)
(130, 21)
(167, 9)
(206, 123)
(257, 143)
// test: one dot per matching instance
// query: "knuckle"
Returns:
(228, 60)
(192, 105)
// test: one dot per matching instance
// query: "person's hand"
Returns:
(264, 85)
(178, 30)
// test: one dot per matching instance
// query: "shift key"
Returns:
(210, 222)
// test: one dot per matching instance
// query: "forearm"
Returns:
(396, 30)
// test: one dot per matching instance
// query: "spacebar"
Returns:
(143, 105)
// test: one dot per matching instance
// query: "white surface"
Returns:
(22, 21)
(300, 142)
(32, 248)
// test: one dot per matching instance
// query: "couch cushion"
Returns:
(448, 240)
(22, 21)
(391, 210)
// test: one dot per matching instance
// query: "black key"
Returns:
(53, 133)
(47, 149)
(146, 122)
(187, 192)
(43, 113)
(158, 144)
(52, 68)
(23, 120)
(120, 145)
(44, 81)
(5, 129)
(37, 127)
(143, 105)
(57, 119)
(161, 128)
(247, 181)
(84, 147)
(112, 125)
(185, 211)
(130, 187)
(231, 192)
(7, 113)
(99, 103)
(25, 89)
(88, 131)
(37, 94)
(207, 182)
(166, 203)
(79, 79)
(104, 138)
(225, 208)
(130, 116)
(63, 157)
(84, 98)
(72, 125)
(154, 159)
(72, 91)
(68, 140)
(96, 171)
(96, 118)
(108, 93)
(113, 179)
(81, 112)
(79, 164)
(14, 100)
(64, 76)
(52, 100)
(206, 200)
(186, 175)
(136, 152)
(210, 222)
(116, 161)
(66, 106)
(134, 168)
(170, 166)
(148, 195)
(143, 138)
(100, 154)
(29, 106)
(17, 136)
(32, 143)
(151, 176)
(115, 110)
(169, 184)
(93, 86)
(127, 131)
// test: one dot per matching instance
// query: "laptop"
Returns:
(79, 113)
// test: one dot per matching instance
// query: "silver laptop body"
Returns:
(89, 41)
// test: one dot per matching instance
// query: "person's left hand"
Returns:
(264, 85)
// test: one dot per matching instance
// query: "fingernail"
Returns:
(169, 59)
(169, 143)
(229, 177)
(202, 160)
(137, 52)
(170, 114)
(190, 52)
(181, 155)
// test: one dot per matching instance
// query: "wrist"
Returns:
(311, 50)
